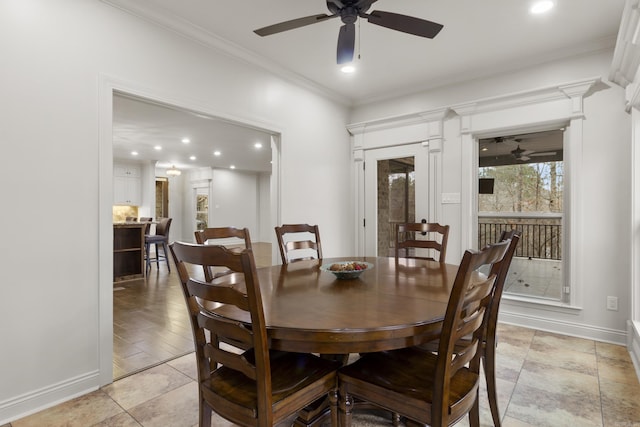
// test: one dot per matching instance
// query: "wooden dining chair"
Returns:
(298, 242)
(490, 342)
(489, 339)
(257, 387)
(440, 388)
(208, 235)
(413, 238)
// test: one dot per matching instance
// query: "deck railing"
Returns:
(541, 233)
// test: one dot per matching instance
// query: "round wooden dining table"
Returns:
(391, 305)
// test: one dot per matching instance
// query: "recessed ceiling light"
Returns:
(157, 147)
(232, 167)
(134, 153)
(217, 153)
(485, 149)
(348, 69)
(192, 158)
(186, 140)
(541, 6)
(257, 145)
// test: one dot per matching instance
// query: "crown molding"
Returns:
(528, 97)
(435, 115)
(221, 45)
(626, 56)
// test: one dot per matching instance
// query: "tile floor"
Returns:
(540, 278)
(544, 379)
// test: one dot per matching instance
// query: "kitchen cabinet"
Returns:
(127, 184)
(128, 251)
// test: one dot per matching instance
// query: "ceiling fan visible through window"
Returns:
(524, 155)
(349, 11)
(537, 147)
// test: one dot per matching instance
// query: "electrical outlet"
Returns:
(612, 303)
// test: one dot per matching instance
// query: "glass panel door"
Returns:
(202, 208)
(395, 191)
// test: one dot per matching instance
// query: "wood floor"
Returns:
(150, 321)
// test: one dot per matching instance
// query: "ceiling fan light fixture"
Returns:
(541, 6)
(348, 68)
(173, 171)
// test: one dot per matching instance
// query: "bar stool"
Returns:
(161, 238)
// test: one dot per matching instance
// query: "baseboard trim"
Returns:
(564, 328)
(46, 397)
(633, 344)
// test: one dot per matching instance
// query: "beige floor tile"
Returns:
(505, 390)
(513, 422)
(612, 351)
(546, 341)
(186, 364)
(574, 360)
(120, 420)
(544, 408)
(618, 370)
(151, 383)
(559, 380)
(177, 408)
(515, 335)
(83, 411)
(508, 367)
(620, 403)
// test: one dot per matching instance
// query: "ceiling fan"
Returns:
(524, 155)
(349, 11)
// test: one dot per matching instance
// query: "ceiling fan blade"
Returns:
(527, 152)
(290, 25)
(346, 43)
(523, 158)
(546, 153)
(404, 23)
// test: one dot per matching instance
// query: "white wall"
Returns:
(604, 206)
(234, 200)
(56, 178)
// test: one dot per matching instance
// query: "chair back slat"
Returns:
(235, 361)
(226, 328)
(421, 236)
(222, 293)
(217, 233)
(298, 242)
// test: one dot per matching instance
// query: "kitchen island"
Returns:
(128, 251)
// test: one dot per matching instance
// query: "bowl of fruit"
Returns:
(347, 269)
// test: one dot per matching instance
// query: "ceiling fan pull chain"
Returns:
(359, 39)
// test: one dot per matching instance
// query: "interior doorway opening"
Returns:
(521, 186)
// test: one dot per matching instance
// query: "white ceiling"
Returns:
(480, 38)
(140, 126)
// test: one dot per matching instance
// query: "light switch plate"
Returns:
(450, 197)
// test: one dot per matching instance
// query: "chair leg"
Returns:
(333, 404)
(147, 248)
(474, 413)
(489, 364)
(166, 258)
(346, 409)
(205, 414)
(157, 258)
